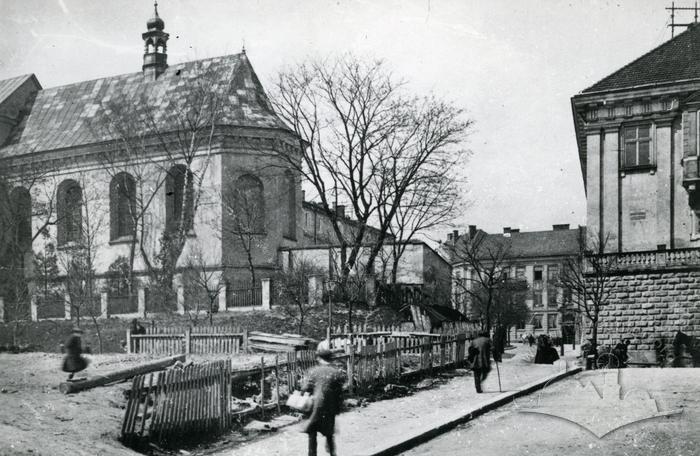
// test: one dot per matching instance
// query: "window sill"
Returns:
(651, 169)
(123, 240)
(289, 238)
(69, 245)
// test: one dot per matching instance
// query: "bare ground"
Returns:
(37, 419)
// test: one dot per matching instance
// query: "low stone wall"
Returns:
(648, 306)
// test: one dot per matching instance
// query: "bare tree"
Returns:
(292, 290)
(484, 259)
(432, 200)
(364, 142)
(589, 277)
(202, 283)
(78, 256)
(244, 218)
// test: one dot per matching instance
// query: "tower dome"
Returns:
(155, 23)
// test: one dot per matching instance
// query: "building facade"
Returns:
(637, 133)
(537, 257)
(111, 166)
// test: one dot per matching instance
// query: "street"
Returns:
(507, 431)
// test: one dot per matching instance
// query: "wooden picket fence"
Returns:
(165, 406)
(195, 340)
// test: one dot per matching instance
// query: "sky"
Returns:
(511, 65)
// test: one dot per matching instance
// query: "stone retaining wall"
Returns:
(647, 306)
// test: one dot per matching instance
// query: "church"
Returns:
(140, 170)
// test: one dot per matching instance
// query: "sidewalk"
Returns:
(382, 426)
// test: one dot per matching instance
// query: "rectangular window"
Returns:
(538, 273)
(520, 272)
(695, 219)
(505, 273)
(537, 299)
(537, 321)
(637, 146)
(553, 272)
(552, 296)
(552, 321)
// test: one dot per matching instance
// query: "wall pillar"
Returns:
(593, 181)
(222, 297)
(610, 189)
(181, 299)
(315, 290)
(265, 294)
(33, 309)
(663, 191)
(66, 297)
(104, 304)
(141, 300)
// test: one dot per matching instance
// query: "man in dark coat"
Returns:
(480, 358)
(74, 360)
(326, 382)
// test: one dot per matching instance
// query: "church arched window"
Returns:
(291, 204)
(122, 205)
(249, 202)
(69, 212)
(21, 216)
(177, 200)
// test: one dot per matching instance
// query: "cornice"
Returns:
(235, 139)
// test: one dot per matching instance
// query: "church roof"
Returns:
(675, 60)
(71, 115)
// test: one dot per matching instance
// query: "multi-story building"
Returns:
(537, 257)
(638, 143)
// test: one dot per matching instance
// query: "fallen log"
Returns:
(100, 380)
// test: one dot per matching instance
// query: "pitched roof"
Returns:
(529, 244)
(69, 116)
(675, 60)
(8, 86)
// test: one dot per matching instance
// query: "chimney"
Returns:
(455, 235)
(560, 227)
(449, 237)
(472, 231)
(340, 211)
(514, 230)
(506, 230)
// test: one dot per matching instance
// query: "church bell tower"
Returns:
(155, 57)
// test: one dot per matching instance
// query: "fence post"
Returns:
(141, 300)
(245, 341)
(181, 300)
(265, 293)
(350, 349)
(128, 340)
(262, 387)
(34, 311)
(188, 339)
(222, 297)
(104, 304)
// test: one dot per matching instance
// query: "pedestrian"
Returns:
(546, 353)
(326, 382)
(480, 358)
(74, 360)
(531, 339)
(136, 327)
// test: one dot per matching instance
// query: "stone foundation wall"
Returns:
(648, 306)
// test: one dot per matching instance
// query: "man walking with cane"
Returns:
(480, 358)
